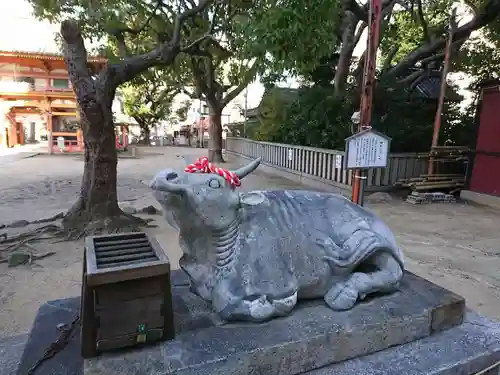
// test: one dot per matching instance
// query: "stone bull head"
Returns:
(195, 199)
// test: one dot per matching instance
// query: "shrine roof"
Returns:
(56, 61)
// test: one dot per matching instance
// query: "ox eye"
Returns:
(171, 176)
(214, 184)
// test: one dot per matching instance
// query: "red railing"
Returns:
(70, 145)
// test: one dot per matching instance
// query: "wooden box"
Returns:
(126, 293)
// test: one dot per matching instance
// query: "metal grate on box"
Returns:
(120, 250)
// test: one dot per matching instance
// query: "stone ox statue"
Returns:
(253, 255)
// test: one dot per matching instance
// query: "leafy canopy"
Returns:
(147, 99)
(292, 35)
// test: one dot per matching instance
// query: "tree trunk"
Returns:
(344, 62)
(146, 133)
(98, 194)
(215, 132)
(96, 209)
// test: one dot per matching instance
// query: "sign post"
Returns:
(374, 18)
(363, 151)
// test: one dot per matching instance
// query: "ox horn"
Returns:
(247, 169)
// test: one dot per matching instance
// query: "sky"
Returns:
(27, 34)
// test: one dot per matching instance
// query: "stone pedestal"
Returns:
(418, 330)
(11, 350)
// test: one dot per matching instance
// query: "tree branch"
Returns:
(361, 12)
(75, 57)
(191, 95)
(411, 77)
(249, 76)
(346, 51)
(184, 16)
(415, 83)
(430, 59)
(146, 22)
(484, 16)
(386, 18)
(130, 67)
(423, 22)
(390, 56)
(122, 46)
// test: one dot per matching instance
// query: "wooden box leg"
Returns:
(88, 330)
(168, 310)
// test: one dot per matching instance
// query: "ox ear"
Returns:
(253, 198)
(247, 169)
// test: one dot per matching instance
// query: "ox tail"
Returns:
(363, 249)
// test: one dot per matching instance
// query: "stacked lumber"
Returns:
(424, 187)
(450, 182)
(422, 198)
(449, 154)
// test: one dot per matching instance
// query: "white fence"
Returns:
(327, 166)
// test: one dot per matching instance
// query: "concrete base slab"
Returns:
(467, 349)
(312, 337)
(484, 199)
(11, 350)
(462, 350)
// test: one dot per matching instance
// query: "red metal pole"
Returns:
(442, 93)
(374, 20)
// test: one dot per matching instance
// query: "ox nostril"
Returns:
(171, 176)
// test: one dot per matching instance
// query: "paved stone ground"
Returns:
(454, 245)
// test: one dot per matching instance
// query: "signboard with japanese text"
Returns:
(367, 149)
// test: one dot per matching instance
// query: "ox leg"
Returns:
(386, 278)
(256, 310)
(259, 309)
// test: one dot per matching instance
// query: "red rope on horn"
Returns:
(204, 166)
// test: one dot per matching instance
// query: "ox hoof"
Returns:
(261, 309)
(283, 306)
(342, 296)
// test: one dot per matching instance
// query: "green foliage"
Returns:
(182, 112)
(407, 31)
(394, 114)
(316, 118)
(123, 27)
(294, 33)
(481, 57)
(147, 99)
(459, 125)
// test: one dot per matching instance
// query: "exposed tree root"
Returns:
(81, 225)
(12, 245)
(76, 224)
(80, 222)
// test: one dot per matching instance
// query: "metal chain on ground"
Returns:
(57, 346)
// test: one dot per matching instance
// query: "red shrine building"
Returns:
(483, 175)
